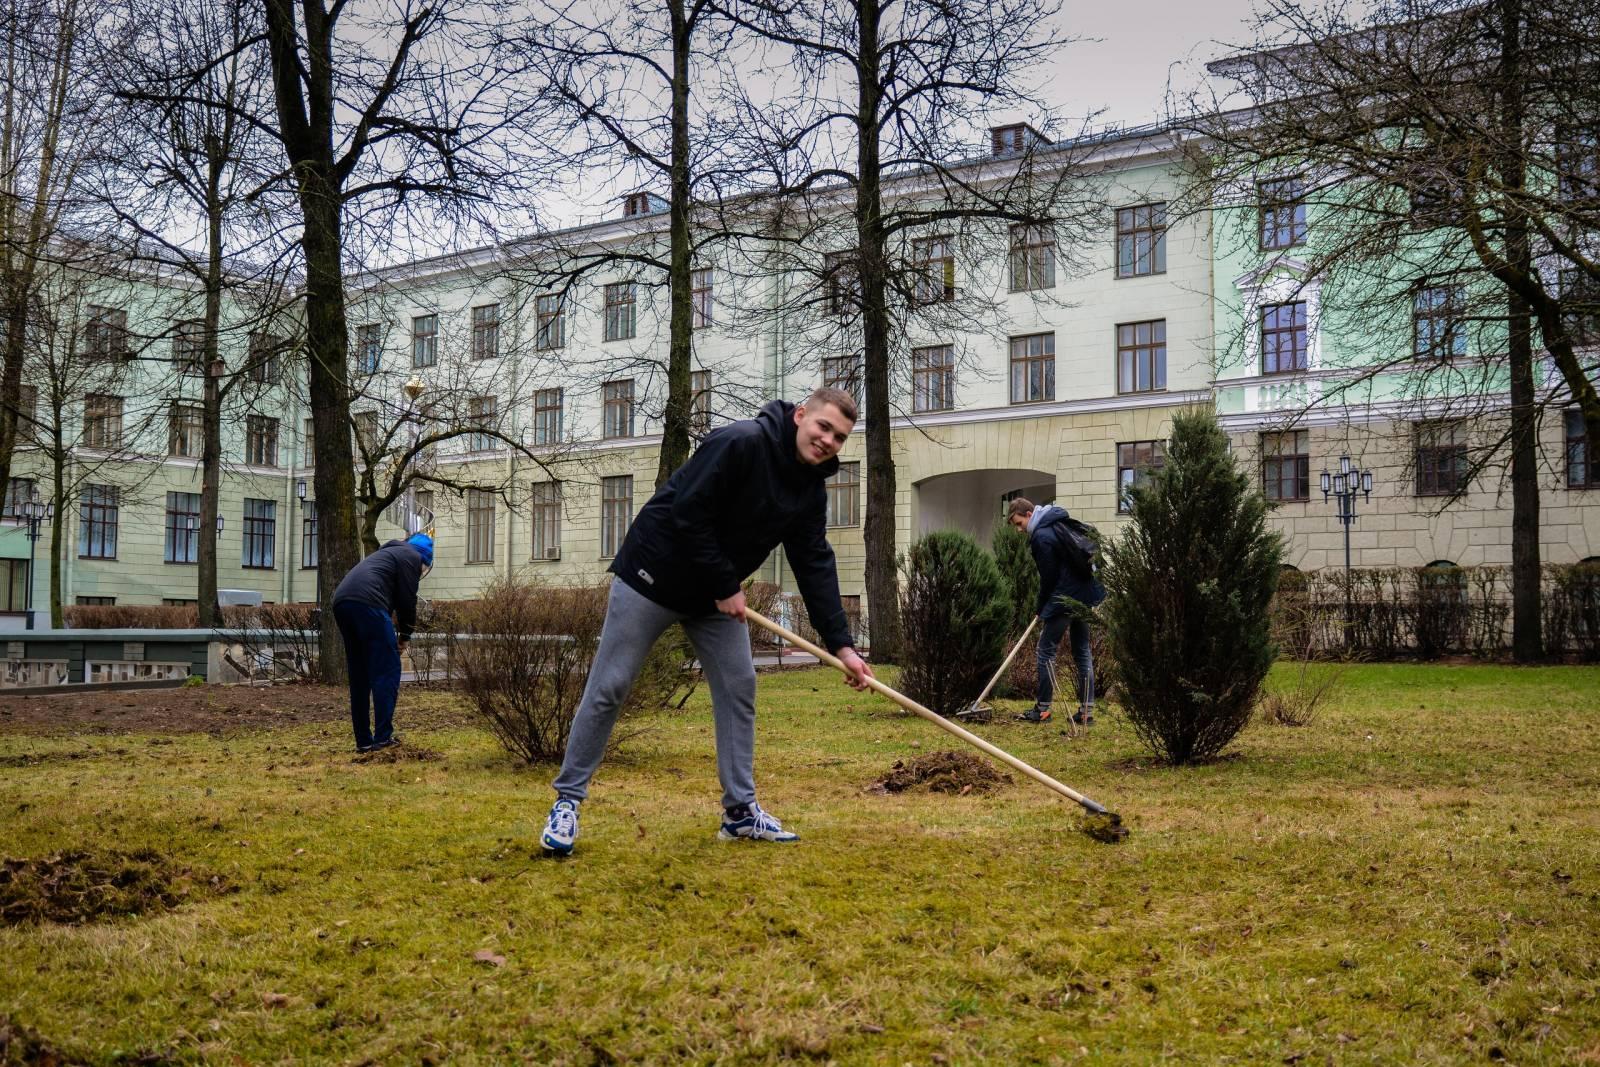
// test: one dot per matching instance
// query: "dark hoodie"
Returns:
(1057, 576)
(744, 492)
(387, 580)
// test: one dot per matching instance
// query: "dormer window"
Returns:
(1015, 139)
(641, 203)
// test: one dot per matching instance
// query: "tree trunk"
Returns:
(680, 346)
(1527, 642)
(57, 522)
(883, 587)
(210, 491)
(327, 348)
(209, 613)
(306, 123)
(16, 310)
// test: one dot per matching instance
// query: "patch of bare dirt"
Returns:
(35, 759)
(81, 886)
(209, 709)
(958, 773)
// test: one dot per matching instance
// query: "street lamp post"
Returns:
(1343, 487)
(413, 388)
(34, 513)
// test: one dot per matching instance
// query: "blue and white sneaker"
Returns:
(756, 825)
(561, 830)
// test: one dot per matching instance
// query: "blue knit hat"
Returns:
(423, 544)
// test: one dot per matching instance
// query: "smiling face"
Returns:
(820, 431)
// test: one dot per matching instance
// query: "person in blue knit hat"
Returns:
(376, 609)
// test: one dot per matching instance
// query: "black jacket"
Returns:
(1058, 577)
(744, 492)
(387, 580)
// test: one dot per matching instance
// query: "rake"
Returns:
(977, 708)
(1102, 825)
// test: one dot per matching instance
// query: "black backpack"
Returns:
(1082, 542)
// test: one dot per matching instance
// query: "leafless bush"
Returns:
(131, 616)
(1314, 677)
(522, 654)
(1023, 677)
(764, 597)
(274, 643)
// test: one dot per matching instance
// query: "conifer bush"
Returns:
(955, 608)
(1012, 556)
(1189, 586)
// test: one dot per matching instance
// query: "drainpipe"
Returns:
(288, 532)
(516, 305)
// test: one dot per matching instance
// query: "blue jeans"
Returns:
(1055, 627)
(372, 652)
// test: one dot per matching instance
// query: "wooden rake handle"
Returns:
(938, 720)
(1013, 655)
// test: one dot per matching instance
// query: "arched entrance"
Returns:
(971, 501)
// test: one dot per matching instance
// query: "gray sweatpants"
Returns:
(721, 643)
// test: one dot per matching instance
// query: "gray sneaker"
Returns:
(757, 825)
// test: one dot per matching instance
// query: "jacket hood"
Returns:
(1046, 515)
(776, 420)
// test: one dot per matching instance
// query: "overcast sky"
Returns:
(1129, 47)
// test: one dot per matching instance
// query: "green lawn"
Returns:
(1414, 878)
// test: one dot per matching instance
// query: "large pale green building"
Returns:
(1052, 370)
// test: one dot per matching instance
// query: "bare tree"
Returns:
(1451, 152)
(440, 422)
(92, 413)
(379, 106)
(51, 112)
(186, 155)
(898, 94)
(620, 84)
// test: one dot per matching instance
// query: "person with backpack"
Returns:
(1064, 551)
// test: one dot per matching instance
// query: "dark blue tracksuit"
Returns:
(376, 608)
(1059, 578)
